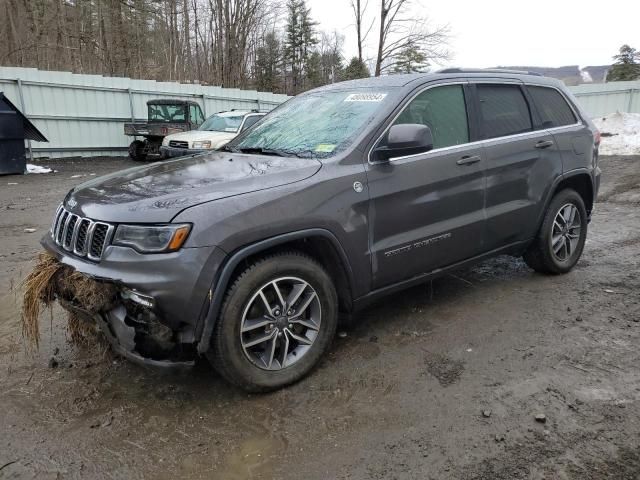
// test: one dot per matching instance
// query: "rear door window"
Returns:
(443, 110)
(552, 107)
(504, 110)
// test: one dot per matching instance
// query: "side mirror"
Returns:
(405, 139)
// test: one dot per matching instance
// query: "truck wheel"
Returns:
(136, 151)
(560, 241)
(277, 320)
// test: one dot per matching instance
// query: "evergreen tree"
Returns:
(356, 69)
(410, 60)
(314, 70)
(268, 62)
(300, 39)
(626, 66)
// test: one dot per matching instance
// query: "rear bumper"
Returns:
(170, 152)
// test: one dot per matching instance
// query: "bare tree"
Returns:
(234, 43)
(399, 33)
(359, 12)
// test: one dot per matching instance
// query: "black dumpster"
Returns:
(15, 128)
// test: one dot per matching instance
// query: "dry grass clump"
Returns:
(51, 280)
(39, 293)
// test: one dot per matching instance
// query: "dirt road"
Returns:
(441, 381)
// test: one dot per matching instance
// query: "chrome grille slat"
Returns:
(79, 246)
(56, 218)
(63, 220)
(80, 235)
(67, 242)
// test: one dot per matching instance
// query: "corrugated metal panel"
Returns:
(601, 98)
(83, 115)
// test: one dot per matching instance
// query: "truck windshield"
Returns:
(219, 123)
(167, 113)
(314, 125)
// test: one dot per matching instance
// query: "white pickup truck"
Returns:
(215, 132)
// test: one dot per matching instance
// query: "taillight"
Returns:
(596, 137)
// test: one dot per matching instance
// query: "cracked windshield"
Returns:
(316, 125)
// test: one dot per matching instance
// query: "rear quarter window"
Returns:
(504, 110)
(552, 107)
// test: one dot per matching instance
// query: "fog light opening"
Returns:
(139, 298)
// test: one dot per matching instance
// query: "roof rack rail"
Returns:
(488, 70)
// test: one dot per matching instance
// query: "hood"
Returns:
(157, 192)
(200, 135)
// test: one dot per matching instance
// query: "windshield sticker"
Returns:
(365, 97)
(325, 148)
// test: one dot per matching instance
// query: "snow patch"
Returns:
(620, 133)
(37, 169)
(586, 76)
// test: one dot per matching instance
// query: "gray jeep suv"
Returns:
(339, 196)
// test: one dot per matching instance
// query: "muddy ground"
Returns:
(441, 381)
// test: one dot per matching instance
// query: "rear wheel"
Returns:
(136, 151)
(278, 319)
(560, 241)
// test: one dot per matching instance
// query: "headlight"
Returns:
(152, 238)
(205, 144)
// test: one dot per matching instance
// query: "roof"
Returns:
(401, 80)
(171, 101)
(238, 113)
(30, 130)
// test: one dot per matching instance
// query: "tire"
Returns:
(136, 151)
(558, 246)
(286, 357)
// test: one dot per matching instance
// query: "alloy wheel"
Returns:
(565, 232)
(280, 323)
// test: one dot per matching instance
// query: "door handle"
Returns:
(468, 160)
(544, 144)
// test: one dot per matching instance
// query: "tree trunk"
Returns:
(383, 19)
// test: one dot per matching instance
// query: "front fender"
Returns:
(221, 282)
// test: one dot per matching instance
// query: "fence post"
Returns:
(631, 92)
(133, 117)
(24, 111)
(204, 105)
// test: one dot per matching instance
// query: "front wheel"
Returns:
(277, 320)
(560, 241)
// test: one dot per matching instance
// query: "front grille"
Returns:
(82, 236)
(178, 144)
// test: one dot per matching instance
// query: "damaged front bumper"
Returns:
(121, 337)
(162, 300)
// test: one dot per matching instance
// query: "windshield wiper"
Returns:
(227, 148)
(265, 151)
(278, 152)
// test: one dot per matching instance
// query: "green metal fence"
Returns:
(83, 115)
(601, 98)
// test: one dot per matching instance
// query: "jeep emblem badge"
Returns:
(357, 186)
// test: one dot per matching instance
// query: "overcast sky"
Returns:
(487, 33)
